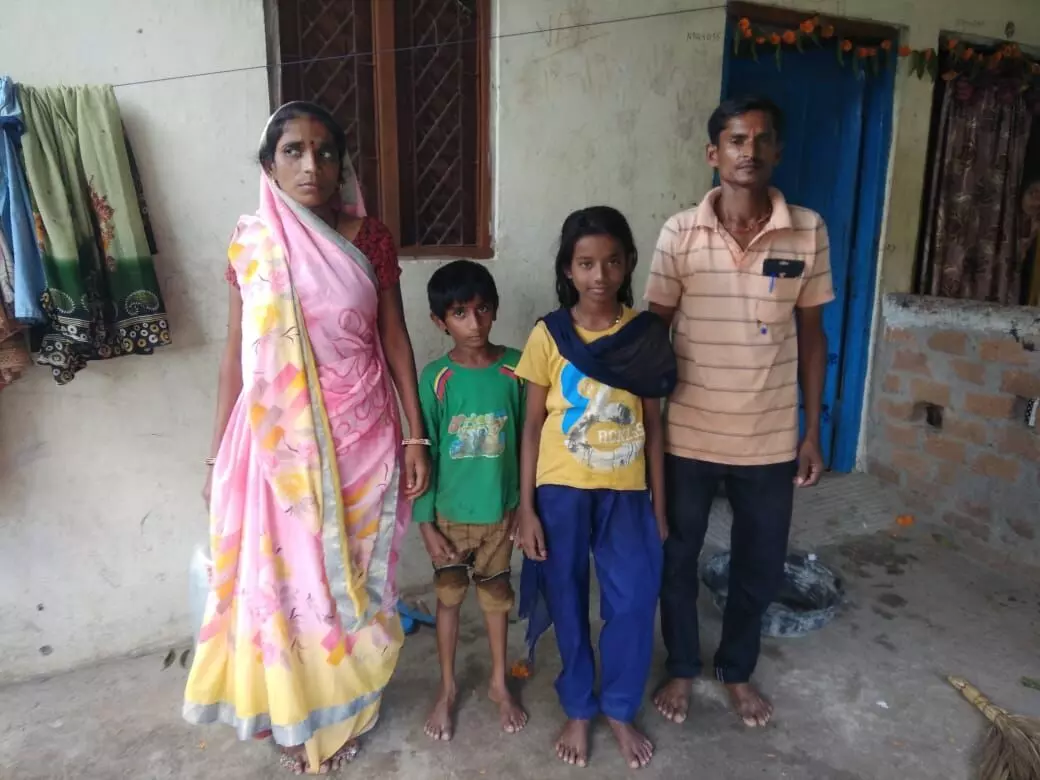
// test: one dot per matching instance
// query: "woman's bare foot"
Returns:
(510, 712)
(294, 759)
(572, 746)
(439, 724)
(342, 757)
(753, 708)
(673, 699)
(636, 749)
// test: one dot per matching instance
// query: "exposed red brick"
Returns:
(949, 341)
(1021, 383)
(942, 448)
(1004, 351)
(1024, 528)
(898, 335)
(973, 509)
(896, 410)
(913, 464)
(926, 391)
(912, 361)
(902, 435)
(966, 430)
(884, 473)
(969, 371)
(997, 407)
(996, 466)
(1023, 442)
(891, 384)
(973, 527)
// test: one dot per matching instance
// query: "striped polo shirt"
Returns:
(735, 337)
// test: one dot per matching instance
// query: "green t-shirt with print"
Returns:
(473, 418)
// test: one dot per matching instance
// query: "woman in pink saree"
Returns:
(311, 482)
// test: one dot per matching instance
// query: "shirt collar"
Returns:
(705, 217)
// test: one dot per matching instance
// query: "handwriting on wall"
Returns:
(704, 36)
(969, 24)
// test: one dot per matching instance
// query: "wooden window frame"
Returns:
(387, 148)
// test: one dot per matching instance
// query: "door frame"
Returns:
(871, 197)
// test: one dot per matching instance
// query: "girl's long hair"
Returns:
(593, 221)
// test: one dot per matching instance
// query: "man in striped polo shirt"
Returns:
(743, 277)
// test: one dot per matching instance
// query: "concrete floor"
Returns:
(863, 698)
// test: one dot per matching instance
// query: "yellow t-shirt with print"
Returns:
(593, 436)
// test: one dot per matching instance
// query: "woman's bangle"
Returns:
(416, 443)
(210, 461)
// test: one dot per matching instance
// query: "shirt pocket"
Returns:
(777, 299)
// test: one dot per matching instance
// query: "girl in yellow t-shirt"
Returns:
(592, 437)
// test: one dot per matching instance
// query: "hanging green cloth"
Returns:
(102, 298)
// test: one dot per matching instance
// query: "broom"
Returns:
(1011, 750)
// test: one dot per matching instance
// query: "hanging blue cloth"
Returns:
(16, 217)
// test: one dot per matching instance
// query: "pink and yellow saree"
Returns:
(300, 634)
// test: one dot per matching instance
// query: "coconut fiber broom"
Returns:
(1011, 750)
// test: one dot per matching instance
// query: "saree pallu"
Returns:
(300, 634)
(102, 298)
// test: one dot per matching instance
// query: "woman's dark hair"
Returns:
(593, 221)
(295, 110)
(734, 107)
(459, 283)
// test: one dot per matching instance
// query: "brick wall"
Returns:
(946, 422)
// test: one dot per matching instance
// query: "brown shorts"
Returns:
(485, 551)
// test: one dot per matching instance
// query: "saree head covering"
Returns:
(300, 633)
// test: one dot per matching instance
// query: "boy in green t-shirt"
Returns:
(472, 405)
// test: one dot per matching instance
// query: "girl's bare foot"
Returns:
(572, 746)
(439, 724)
(636, 749)
(343, 756)
(753, 708)
(673, 699)
(510, 712)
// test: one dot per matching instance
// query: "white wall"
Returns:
(99, 480)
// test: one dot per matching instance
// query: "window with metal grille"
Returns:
(408, 81)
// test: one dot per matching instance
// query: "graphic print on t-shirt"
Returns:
(478, 435)
(601, 433)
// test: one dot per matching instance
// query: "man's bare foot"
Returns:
(439, 724)
(572, 746)
(673, 699)
(636, 749)
(751, 706)
(510, 712)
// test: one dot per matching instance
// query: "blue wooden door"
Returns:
(823, 105)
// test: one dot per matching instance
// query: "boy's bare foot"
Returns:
(673, 699)
(751, 706)
(439, 723)
(510, 712)
(572, 746)
(294, 759)
(636, 749)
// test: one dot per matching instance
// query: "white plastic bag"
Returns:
(200, 577)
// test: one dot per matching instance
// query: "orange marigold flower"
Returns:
(827, 31)
(952, 44)
(744, 23)
(520, 670)
(790, 37)
(846, 45)
(760, 40)
(905, 51)
(998, 56)
(808, 26)
(774, 39)
(862, 52)
(886, 45)
(968, 53)
(748, 33)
